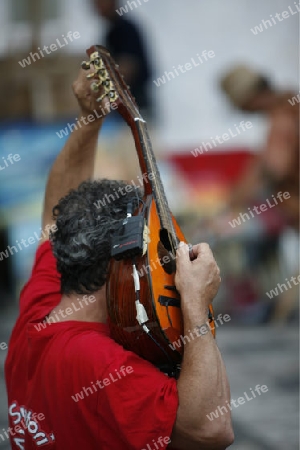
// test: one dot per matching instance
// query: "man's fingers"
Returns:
(186, 253)
(84, 85)
(84, 90)
(201, 249)
(182, 253)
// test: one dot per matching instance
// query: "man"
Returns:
(69, 384)
(274, 170)
(277, 168)
(126, 44)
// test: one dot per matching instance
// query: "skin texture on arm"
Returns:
(75, 163)
(202, 385)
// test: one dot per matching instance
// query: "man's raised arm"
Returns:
(75, 163)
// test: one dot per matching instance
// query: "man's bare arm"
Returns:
(203, 384)
(75, 163)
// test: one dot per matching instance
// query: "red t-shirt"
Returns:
(70, 386)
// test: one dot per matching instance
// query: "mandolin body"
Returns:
(165, 326)
(158, 295)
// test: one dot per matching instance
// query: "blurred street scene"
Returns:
(225, 130)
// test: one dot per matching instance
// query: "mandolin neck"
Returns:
(152, 183)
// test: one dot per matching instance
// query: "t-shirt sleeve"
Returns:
(43, 287)
(139, 403)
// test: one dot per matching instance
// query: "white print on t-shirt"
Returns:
(23, 418)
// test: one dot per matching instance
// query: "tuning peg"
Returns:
(113, 95)
(90, 75)
(85, 65)
(99, 99)
(95, 87)
(102, 73)
(95, 55)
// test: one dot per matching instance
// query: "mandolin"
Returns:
(142, 301)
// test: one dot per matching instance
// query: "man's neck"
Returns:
(83, 308)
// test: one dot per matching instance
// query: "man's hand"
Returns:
(197, 281)
(87, 98)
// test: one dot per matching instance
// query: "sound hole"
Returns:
(167, 259)
(165, 239)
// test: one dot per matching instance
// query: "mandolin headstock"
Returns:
(106, 74)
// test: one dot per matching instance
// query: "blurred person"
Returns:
(274, 170)
(126, 44)
(53, 355)
(277, 167)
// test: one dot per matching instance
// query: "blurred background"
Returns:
(226, 135)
